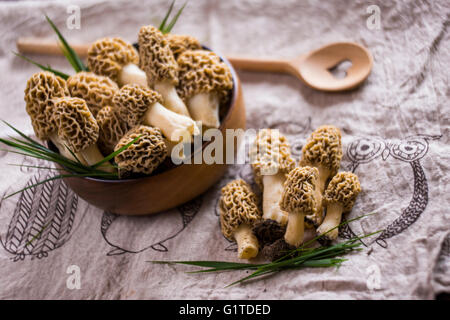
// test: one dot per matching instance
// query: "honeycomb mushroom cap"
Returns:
(41, 88)
(145, 154)
(323, 147)
(112, 128)
(343, 189)
(237, 205)
(133, 100)
(266, 154)
(202, 71)
(96, 90)
(75, 122)
(108, 56)
(156, 58)
(299, 191)
(180, 43)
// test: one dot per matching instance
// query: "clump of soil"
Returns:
(268, 231)
(276, 250)
(270, 235)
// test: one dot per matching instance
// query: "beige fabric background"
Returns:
(405, 96)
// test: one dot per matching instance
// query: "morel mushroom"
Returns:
(300, 197)
(272, 161)
(41, 88)
(339, 197)
(96, 90)
(322, 150)
(145, 154)
(158, 62)
(141, 105)
(205, 81)
(112, 128)
(238, 212)
(79, 130)
(179, 43)
(116, 59)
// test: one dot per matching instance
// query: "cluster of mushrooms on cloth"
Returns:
(394, 138)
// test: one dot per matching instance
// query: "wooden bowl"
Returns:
(170, 188)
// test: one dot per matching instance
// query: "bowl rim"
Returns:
(232, 105)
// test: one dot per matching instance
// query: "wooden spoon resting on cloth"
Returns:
(314, 68)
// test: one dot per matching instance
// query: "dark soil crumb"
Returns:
(276, 250)
(268, 231)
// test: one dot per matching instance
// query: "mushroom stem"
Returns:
(171, 99)
(272, 192)
(57, 141)
(204, 107)
(332, 220)
(174, 126)
(92, 155)
(324, 174)
(247, 242)
(295, 229)
(131, 74)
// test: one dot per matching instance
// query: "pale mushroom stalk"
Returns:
(247, 242)
(130, 74)
(340, 197)
(78, 129)
(170, 96)
(204, 107)
(332, 220)
(161, 68)
(271, 161)
(205, 81)
(295, 229)
(272, 191)
(238, 214)
(139, 104)
(299, 199)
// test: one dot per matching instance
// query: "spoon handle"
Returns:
(261, 64)
(47, 46)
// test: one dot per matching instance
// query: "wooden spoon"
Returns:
(313, 68)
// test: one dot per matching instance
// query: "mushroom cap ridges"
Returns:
(41, 88)
(270, 151)
(133, 100)
(107, 57)
(76, 123)
(145, 154)
(237, 205)
(156, 58)
(179, 43)
(202, 71)
(324, 148)
(96, 90)
(112, 128)
(343, 189)
(299, 191)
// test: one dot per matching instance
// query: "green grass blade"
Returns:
(69, 58)
(174, 20)
(48, 68)
(71, 52)
(163, 23)
(208, 264)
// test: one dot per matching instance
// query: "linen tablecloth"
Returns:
(395, 131)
